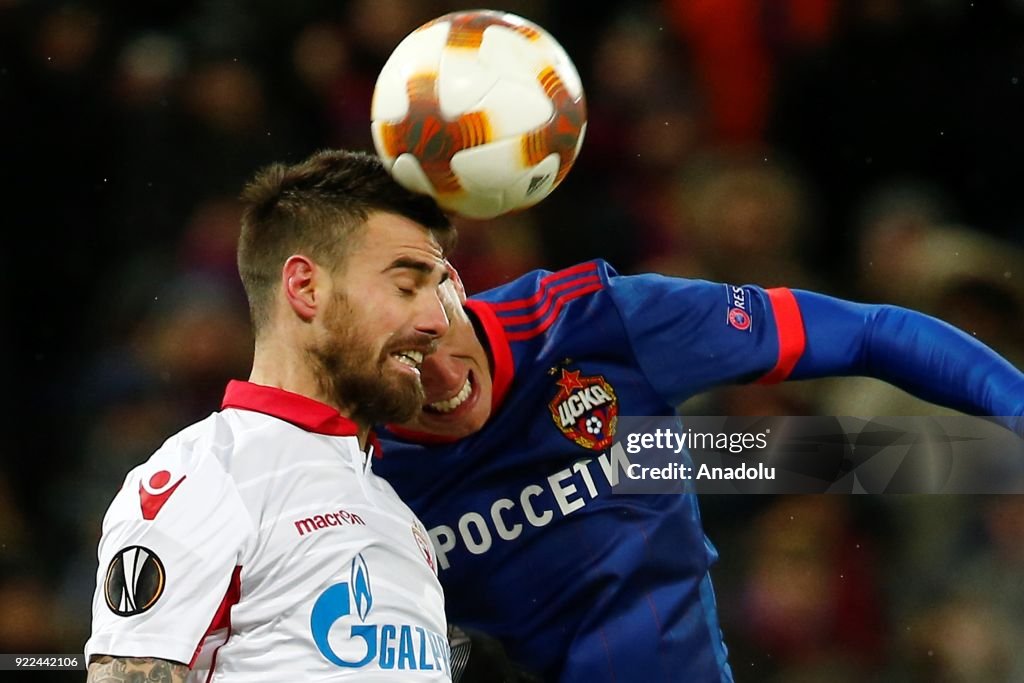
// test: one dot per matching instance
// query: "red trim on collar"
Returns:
(373, 442)
(301, 411)
(504, 367)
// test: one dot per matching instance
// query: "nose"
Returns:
(442, 374)
(432, 319)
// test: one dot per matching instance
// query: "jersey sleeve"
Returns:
(691, 335)
(916, 352)
(172, 539)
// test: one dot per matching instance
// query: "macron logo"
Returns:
(317, 522)
(154, 493)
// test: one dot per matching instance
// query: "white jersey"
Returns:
(258, 545)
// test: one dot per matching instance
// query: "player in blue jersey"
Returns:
(510, 466)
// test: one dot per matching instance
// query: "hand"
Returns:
(453, 295)
(453, 275)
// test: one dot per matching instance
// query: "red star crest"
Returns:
(570, 381)
(585, 409)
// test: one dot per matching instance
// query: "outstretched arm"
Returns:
(916, 352)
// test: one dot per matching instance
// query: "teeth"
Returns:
(455, 401)
(411, 358)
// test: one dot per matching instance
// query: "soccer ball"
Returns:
(482, 110)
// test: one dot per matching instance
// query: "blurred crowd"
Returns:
(864, 148)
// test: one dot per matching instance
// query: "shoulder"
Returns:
(188, 471)
(538, 287)
(533, 302)
(198, 446)
(535, 286)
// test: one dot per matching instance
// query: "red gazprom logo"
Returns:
(317, 522)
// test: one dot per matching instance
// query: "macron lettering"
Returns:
(317, 522)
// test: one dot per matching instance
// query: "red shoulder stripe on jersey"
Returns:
(549, 300)
(581, 269)
(553, 315)
(221, 618)
(792, 341)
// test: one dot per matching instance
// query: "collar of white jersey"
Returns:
(301, 411)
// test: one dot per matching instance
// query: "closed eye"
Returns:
(420, 270)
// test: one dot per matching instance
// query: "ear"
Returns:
(299, 277)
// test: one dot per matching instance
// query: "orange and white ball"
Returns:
(482, 110)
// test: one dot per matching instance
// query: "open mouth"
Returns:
(449, 405)
(411, 359)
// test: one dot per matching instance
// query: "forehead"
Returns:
(387, 235)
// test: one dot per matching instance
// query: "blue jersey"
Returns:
(579, 584)
(586, 586)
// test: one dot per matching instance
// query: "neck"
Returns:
(278, 365)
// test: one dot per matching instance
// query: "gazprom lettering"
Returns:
(570, 490)
(391, 646)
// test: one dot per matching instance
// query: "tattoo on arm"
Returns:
(106, 669)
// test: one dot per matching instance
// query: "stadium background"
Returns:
(869, 149)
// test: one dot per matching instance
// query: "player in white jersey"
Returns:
(258, 544)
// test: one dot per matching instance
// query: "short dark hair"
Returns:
(315, 208)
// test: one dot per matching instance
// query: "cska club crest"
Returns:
(585, 409)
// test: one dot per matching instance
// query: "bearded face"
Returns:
(361, 373)
(377, 314)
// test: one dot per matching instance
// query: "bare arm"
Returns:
(107, 669)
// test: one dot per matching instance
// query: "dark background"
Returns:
(869, 149)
